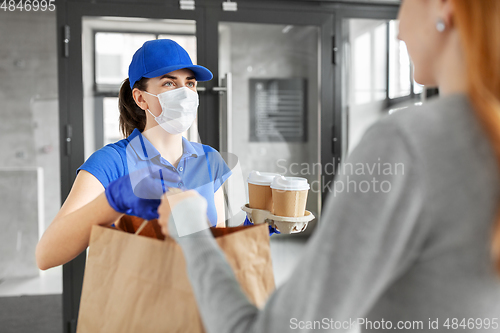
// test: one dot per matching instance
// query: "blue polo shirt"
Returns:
(201, 167)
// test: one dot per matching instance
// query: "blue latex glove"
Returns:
(139, 193)
(272, 230)
(247, 222)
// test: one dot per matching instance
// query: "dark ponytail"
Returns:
(131, 115)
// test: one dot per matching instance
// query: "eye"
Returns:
(191, 84)
(168, 84)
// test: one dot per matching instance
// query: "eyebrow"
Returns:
(167, 76)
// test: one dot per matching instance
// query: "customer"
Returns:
(421, 254)
(160, 90)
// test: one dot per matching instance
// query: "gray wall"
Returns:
(28, 69)
(29, 127)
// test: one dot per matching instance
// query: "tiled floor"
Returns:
(40, 297)
(26, 314)
(285, 252)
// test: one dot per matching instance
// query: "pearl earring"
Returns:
(440, 25)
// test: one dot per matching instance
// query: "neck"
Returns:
(451, 71)
(169, 145)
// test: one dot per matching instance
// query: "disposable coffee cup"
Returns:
(259, 190)
(289, 196)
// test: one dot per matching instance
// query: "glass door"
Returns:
(272, 114)
(274, 79)
(97, 43)
(281, 96)
(108, 46)
(377, 74)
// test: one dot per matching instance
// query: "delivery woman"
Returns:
(157, 103)
(424, 254)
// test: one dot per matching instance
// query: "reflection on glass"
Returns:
(399, 68)
(109, 44)
(188, 42)
(368, 85)
(364, 75)
(380, 62)
(30, 177)
(111, 117)
(113, 52)
(361, 69)
(417, 88)
(369, 61)
(273, 128)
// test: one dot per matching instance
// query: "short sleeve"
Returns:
(218, 167)
(105, 164)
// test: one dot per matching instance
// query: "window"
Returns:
(377, 74)
(401, 81)
(113, 53)
(380, 68)
(368, 40)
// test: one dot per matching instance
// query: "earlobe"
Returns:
(447, 12)
(139, 99)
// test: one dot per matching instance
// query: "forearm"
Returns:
(222, 307)
(222, 304)
(68, 235)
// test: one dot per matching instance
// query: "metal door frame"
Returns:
(273, 13)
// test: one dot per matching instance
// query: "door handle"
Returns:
(225, 92)
(220, 89)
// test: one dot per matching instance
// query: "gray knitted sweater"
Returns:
(405, 247)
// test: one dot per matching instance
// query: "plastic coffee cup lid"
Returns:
(290, 183)
(261, 178)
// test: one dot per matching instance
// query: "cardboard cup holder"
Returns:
(284, 224)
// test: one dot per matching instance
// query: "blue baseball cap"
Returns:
(161, 56)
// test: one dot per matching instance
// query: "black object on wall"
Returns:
(278, 110)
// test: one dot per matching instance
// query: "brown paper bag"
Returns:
(136, 284)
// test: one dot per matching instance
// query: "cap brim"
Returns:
(200, 72)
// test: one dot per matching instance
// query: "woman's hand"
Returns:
(171, 199)
(139, 193)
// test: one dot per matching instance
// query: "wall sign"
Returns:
(278, 110)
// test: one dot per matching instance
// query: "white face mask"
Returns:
(178, 109)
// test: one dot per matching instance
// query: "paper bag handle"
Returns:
(143, 225)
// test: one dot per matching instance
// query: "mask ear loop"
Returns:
(151, 113)
(147, 92)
